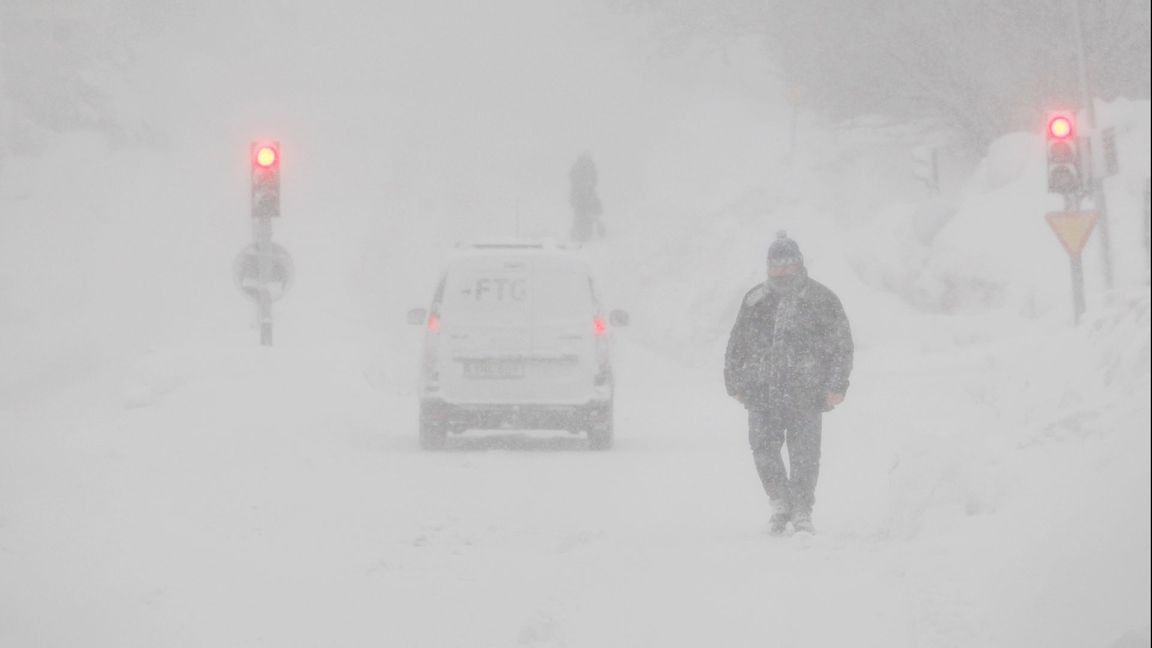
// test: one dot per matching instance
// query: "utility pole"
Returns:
(1148, 226)
(1096, 180)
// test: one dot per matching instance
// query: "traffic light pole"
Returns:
(1076, 264)
(265, 205)
(262, 236)
(263, 270)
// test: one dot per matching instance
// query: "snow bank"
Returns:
(997, 251)
(1026, 482)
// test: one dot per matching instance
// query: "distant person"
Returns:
(788, 361)
(586, 206)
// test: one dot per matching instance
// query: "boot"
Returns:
(778, 522)
(802, 523)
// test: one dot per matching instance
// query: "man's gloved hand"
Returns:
(740, 395)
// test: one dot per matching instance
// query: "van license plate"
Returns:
(493, 369)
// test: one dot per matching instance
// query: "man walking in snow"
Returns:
(788, 361)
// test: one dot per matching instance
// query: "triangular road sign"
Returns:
(1073, 229)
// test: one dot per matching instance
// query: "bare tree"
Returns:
(977, 67)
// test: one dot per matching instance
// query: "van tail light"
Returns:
(599, 326)
(431, 347)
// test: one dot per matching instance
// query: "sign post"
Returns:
(1074, 228)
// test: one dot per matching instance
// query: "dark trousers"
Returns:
(794, 490)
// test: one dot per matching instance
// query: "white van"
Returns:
(516, 338)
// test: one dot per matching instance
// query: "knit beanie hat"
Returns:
(784, 251)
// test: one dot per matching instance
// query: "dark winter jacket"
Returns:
(790, 350)
(582, 195)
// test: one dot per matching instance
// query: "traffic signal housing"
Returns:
(265, 179)
(1065, 175)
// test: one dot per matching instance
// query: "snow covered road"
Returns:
(273, 497)
(228, 514)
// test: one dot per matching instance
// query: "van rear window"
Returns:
(516, 293)
(562, 295)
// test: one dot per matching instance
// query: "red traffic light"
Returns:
(1060, 127)
(267, 157)
(1064, 173)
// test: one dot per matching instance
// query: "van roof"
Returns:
(517, 244)
(543, 250)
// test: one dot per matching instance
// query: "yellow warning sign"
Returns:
(1073, 229)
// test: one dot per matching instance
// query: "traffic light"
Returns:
(265, 179)
(1064, 171)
